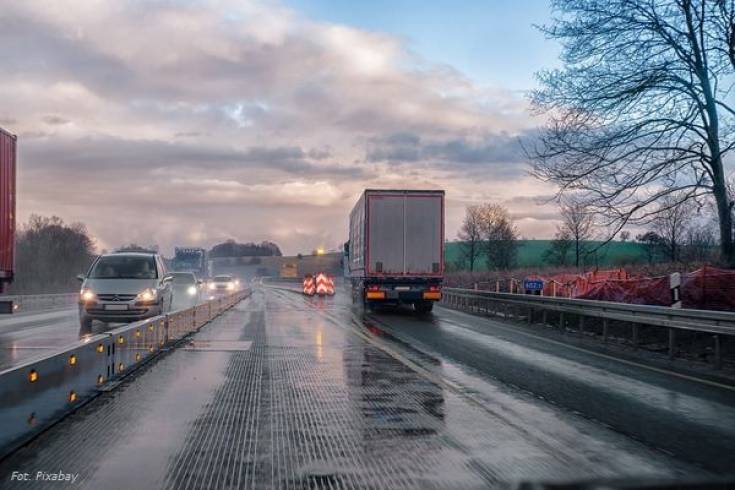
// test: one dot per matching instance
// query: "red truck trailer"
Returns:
(7, 211)
(396, 249)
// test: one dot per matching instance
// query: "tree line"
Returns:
(51, 253)
(678, 231)
(231, 248)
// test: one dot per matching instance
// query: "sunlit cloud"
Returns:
(190, 123)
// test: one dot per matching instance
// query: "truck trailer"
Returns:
(191, 259)
(396, 248)
(7, 212)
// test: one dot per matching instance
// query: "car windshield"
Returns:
(183, 278)
(124, 267)
(222, 279)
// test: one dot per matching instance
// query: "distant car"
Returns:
(124, 287)
(223, 284)
(186, 290)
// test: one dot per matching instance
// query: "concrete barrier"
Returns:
(39, 392)
(136, 343)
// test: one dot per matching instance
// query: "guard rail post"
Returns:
(718, 354)
(672, 343)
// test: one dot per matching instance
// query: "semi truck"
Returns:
(191, 259)
(396, 248)
(7, 213)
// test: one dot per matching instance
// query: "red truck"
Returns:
(7, 212)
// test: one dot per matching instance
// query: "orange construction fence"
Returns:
(707, 288)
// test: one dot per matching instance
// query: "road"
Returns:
(294, 392)
(27, 335)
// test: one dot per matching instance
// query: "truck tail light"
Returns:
(433, 293)
(374, 292)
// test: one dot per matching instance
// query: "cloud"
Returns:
(221, 118)
(55, 120)
(497, 155)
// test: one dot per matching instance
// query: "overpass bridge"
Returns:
(272, 389)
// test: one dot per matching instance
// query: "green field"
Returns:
(531, 253)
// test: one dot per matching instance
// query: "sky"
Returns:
(192, 122)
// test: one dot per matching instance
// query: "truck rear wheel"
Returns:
(423, 307)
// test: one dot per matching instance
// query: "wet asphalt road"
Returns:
(28, 335)
(285, 391)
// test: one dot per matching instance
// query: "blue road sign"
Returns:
(533, 284)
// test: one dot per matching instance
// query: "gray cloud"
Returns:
(55, 120)
(495, 154)
(131, 156)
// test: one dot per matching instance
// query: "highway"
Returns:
(24, 336)
(27, 335)
(294, 392)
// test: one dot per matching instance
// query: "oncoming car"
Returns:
(124, 287)
(186, 289)
(223, 284)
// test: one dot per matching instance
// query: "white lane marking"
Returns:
(219, 345)
(598, 354)
(29, 347)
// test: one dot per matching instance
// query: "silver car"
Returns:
(186, 290)
(222, 285)
(124, 287)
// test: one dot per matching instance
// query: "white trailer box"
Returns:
(397, 243)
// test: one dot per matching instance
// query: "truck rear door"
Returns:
(423, 234)
(405, 233)
(385, 234)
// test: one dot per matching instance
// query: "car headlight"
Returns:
(87, 294)
(192, 290)
(212, 285)
(147, 295)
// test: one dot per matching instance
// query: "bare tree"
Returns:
(561, 245)
(726, 28)
(642, 109)
(624, 236)
(578, 223)
(500, 236)
(471, 235)
(671, 222)
(699, 243)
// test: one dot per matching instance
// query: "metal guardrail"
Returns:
(510, 305)
(39, 392)
(39, 302)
